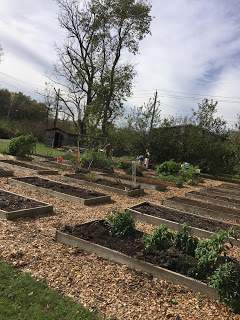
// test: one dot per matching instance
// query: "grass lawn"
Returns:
(24, 298)
(40, 149)
(4, 145)
(47, 151)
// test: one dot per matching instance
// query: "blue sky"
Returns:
(194, 51)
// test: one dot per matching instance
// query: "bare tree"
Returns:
(147, 117)
(90, 68)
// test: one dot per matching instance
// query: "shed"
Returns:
(56, 138)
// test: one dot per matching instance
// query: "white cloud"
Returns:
(194, 49)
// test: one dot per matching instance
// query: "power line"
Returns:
(173, 92)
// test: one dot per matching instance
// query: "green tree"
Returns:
(95, 79)
(146, 117)
(206, 117)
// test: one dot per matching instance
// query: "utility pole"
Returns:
(57, 98)
(153, 110)
(57, 107)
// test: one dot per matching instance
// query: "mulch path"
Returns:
(112, 289)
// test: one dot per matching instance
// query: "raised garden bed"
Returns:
(100, 182)
(203, 208)
(62, 190)
(226, 178)
(142, 182)
(174, 219)
(225, 202)
(57, 165)
(13, 206)
(219, 195)
(6, 173)
(95, 237)
(231, 186)
(40, 170)
(226, 191)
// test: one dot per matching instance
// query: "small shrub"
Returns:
(185, 242)
(209, 251)
(161, 239)
(168, 168)
(179, 182)
(96, 159)
(122, 223)
(22, 145)
(124, 165)
(226, 279)
(190, 174)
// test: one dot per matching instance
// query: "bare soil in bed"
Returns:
(63, 188)
(10, 202)
(182, 217)
(99, 232)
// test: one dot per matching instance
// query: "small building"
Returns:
(56, 138)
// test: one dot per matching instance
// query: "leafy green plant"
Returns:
(160, 239)
(124, 165)
(226, 279)
(168, 168)
(190, 174)
(22, 145)
(96, 159)
(179, 182)
(208, 252)
(122, 223)
(185, 242)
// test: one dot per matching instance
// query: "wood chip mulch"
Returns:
(113, 290)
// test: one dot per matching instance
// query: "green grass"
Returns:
(40, 149)
(4, 145)
(24, 298)
(47, 151)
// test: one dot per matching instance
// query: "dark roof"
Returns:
(62, 131)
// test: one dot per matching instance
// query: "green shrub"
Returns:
(179, 182)
(161, 239)
(185, 242)
(226, 279)
(168, 168)
(208, 252)
(96, 159)
(22, 145)
(124, 165)
(122, 223)
(190, 174)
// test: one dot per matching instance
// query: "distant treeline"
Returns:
(20, 114)
(18, 106)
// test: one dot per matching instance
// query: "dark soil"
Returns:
(101, 181)
(24, 165)
(216, 196)
(63, 188)
(99, 232)
(182, 217)
(10, 202)
(205, 205)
